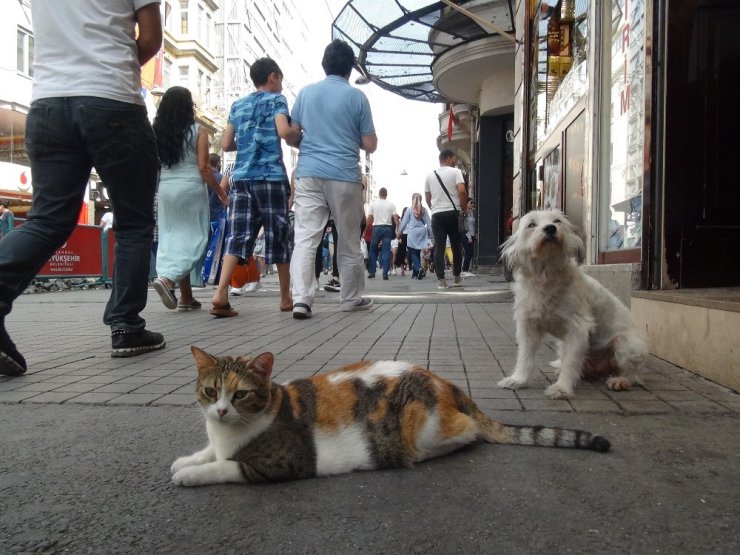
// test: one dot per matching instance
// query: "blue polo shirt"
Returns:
(259, 155)
(334, 117)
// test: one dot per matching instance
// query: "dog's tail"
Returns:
(496, 432)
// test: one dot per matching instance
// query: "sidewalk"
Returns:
(465, 335)
(87, 440)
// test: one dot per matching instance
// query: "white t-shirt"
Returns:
(382, 211)
(86, 48)
(107, 220)
(450, 177)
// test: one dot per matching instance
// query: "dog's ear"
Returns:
(575, 248)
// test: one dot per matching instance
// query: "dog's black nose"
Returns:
(550, 229)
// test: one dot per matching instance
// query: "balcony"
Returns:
(460, 140)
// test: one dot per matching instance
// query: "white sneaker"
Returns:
(235, 291)
(362, 304)
(251, 287)
(442, 284)
(467, 274)
(393, 272)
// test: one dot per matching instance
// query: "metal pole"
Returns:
(482, 22)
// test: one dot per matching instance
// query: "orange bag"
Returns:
(245, 273)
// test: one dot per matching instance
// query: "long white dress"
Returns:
(182, 216)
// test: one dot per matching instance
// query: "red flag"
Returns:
(450, 123)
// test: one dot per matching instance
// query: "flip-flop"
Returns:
(195, 305)
(166, 295)
(223, 311)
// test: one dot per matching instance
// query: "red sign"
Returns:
(80, 256)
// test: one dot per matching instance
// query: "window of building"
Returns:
(201, 22)
(184, 17)
(209, 30)
(168, 16)
(623, 137)
(24, 58)
(167, 73)
(184, 74)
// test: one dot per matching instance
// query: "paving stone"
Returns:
(51, 397)
(686, 395)
(16, 396)
(498, 404)
(156, 388)
(492, 393)
(547, 405)
(645, 407)
(76, 388)
(588, 405)
(698, 406)
(93, 398)
(176, 399)
(116, 388)
(134, 399)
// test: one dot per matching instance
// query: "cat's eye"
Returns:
(240, 394)
(210, 391)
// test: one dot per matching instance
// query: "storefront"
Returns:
(584, 120)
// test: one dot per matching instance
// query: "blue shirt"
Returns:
(259, 155)
(417, 230)
(334, 117)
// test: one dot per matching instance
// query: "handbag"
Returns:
(245, 273)
(212, 261)
(459, 215)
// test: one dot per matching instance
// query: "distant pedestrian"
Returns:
(416, 224)
(7, 219)
(87, 110)
(446, 196)
(468, 239)
(106, 220)
(182, 199)
(383, 216)
(337, 122)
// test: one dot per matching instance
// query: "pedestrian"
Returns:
(468, 239)
(333, 285)
(182, 199)
(383, 216)
(417, 226)
(259, 190)
(402, 257)
(446, 196)
(337, 123)
(7, 219)
(87, 110)
(106, 220)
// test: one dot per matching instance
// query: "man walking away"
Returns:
(446, 195)
(87, 110)
(337, 122)
(383, 216)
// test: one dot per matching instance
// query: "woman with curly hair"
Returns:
(183, 212)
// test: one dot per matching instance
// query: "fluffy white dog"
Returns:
(553, 296)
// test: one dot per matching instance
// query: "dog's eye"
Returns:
(532, 224)
(556, 221)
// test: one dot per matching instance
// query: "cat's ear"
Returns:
(262, 364)
(203, 361)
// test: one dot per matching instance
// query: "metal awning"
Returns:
(397, 41)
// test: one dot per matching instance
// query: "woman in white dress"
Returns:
(183, 213)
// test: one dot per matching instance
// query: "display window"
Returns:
(621, 202)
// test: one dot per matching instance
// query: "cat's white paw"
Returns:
(558, 391)
(555, 363)
(512, 382)
(181, 463)
(187, 476)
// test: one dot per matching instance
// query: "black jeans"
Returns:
(467, 245)
(444, 224)
(65, 138)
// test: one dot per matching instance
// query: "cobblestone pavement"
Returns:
(465, 335)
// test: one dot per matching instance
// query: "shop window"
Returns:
(24, 52)
(560, 76)
(624, 83)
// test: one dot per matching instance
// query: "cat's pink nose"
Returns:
(222, 412)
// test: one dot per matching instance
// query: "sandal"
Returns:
(195, 305)
(223, 311)
(166, 295)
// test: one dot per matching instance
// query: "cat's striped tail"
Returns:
(495, 432)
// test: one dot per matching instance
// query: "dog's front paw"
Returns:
(512, 383)
(555, 363)
(618, 383)
(181, 463)
(557, 391)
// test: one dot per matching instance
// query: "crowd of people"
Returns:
(97, 118)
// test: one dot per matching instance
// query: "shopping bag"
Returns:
(212, 262)
(245, 273)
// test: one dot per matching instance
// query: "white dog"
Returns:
(553, 296)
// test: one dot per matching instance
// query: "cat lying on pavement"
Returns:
(362, 416)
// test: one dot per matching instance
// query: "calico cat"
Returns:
(362, 416)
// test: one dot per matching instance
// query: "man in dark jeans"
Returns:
(446, 194)
(69, 130)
